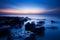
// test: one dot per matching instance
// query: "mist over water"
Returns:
(35, 16)
(49, 34)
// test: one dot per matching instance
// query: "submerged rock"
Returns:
(40, 23)
(53, 27)
(52, 21)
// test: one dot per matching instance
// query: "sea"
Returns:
(49, 34)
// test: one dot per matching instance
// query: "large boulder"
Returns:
(39, 31)
(27, 26)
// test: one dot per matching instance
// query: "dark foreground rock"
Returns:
(39, 31)
(31, 37)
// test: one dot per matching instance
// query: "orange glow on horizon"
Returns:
(21, 11)
(32, 11)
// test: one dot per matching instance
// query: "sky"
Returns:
(29, 6)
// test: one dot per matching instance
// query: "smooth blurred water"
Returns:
(36, 16)
(49, 34)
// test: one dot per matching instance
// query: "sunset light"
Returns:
(26, 11)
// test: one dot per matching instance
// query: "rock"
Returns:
(40, 23)
(32, 26)
(52, 21)
(53, 27)
(4, 32)
(39, 31)
(32, 37)
(27, 26)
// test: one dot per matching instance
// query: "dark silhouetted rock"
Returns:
(53, 27)
(27, 26)
(32, 26)
(15, 21)
(39, 31)
(52, 21)
(4, 32)
(43, 19)
(40, 23)
(32, 37)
